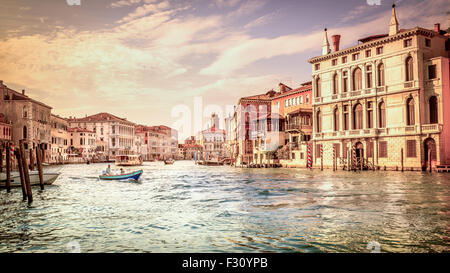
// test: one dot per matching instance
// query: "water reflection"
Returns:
(189, 208)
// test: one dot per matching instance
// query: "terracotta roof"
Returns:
(19, 96)
(270, 116)
(213, 130)
(100, 117)
(191, 146)
(79, 130)
(305, 87)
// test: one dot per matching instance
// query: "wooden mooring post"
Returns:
(373, 160)
(22, 176)
(8, 168)
(429, 158)
(1, 158)
(26, 173)
(31, 159)
(39, 166)
(401, 154)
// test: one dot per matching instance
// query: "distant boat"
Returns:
(134, 175)
(49, 178)
(129, 160)
(169, 161)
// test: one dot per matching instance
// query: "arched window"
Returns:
(410, 112)
(336, 119)
(409, 69)
(335, 84)
(318, 122)
(318, 87)
(433, 110)
(357, 116)
(381, 115)
(357, 79)
(25, 132)
(380, 73)
(25, 112)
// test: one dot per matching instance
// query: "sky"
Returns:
(161, 61)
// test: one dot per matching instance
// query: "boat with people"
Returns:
(122, 176)
(128, 160)
(169, 161)
(49, 178)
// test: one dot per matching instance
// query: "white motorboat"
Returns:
(49, 178)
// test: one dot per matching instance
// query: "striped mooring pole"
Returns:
(309, 157)
(354, 163)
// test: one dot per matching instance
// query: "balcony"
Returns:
(431, 128)
(297, 127)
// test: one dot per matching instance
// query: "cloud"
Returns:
(144, 10)
(250, 50)
(262, 20)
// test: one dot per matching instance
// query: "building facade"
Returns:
(117, 132)
(295, 106)
(29, 119)
(82, 144)
(382, 102)
(59, 145)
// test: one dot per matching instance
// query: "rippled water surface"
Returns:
(189, 208)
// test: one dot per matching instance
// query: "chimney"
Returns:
(335, 40)
(23, 92)
(282, 87)
(437, 27)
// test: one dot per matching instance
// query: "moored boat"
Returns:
(169, 161)
(128, 160)
(49, 178)
(133, 175)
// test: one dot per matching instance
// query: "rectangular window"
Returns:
(301, 99)
(382, 149)
(432, 72)
(293, 155)
(334, 62)
(344, 59)
(368, 53)
(316, 66)
(369, 76)
(344, 81)
(427, 42)
(411, 148)
(302, 155)
(379, 50)
(369, 115)
(407, 43)
(355, 56)
(307, 98)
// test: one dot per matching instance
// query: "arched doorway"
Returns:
(429, 149)
(359, 153)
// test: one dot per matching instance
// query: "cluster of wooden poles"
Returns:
(23, 167)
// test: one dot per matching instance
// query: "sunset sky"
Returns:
(140, 58)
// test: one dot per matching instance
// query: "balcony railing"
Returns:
(432, 128)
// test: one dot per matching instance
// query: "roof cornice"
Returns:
(377, 42)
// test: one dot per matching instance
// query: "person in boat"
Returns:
(122, 171)
(108, 170)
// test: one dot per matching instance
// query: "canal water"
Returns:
(188, 208)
